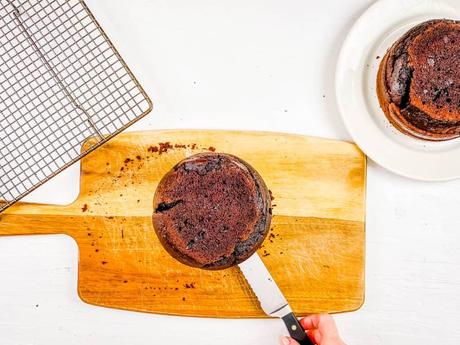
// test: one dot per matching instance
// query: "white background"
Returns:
(258, 65)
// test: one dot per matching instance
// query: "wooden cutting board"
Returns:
(315, 250)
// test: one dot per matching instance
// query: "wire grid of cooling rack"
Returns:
(61, 81)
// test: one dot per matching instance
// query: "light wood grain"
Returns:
(316, 251)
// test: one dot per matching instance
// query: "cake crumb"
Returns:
(164, 147)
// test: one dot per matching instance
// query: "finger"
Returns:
(288, 341)
(310, 322)
(324, 322)
(327, 325)
(315, 336)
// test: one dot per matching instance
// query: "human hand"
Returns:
(321, 329)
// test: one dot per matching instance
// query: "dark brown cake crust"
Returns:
(418, 84)
(212, 211)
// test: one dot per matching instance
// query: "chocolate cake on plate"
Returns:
(418, 82)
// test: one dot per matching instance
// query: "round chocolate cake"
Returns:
(212, 211)
(418, 83)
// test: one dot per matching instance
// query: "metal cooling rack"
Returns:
(61, 81)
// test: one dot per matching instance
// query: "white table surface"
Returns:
(254, 65)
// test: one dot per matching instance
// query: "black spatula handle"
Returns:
(295, 329)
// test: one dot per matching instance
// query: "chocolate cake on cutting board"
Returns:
(212, 210)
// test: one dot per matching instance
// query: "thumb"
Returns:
(288, 341)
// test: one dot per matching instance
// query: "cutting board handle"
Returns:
(31, 219)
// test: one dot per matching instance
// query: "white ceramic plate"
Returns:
(370, 37)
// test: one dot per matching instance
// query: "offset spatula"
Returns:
(271, 298)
